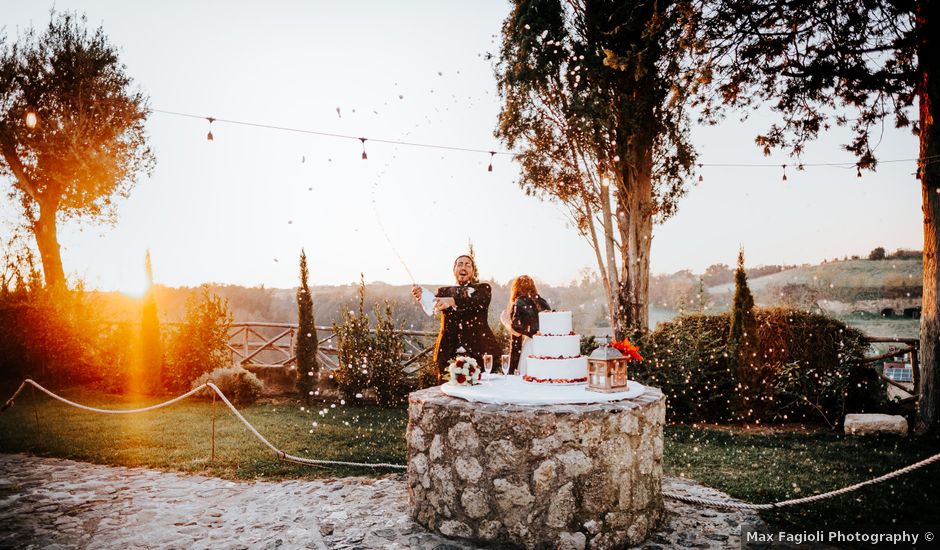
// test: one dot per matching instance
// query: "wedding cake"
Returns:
(556, 352)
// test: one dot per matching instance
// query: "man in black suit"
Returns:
(464, 310)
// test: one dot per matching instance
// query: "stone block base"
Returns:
(864, 424)
(559, 476)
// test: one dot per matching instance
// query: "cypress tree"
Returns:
(150, 345)
(306, 349)
(742, 342)
(742, 310)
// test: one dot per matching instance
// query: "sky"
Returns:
(239, 209)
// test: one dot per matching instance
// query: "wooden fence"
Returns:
(903, 347)
(273, 345)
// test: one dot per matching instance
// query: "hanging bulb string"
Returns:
(930, 159)
(333, 135)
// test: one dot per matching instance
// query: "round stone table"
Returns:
(547, 476)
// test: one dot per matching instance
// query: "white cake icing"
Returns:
(556, 346)
(556, 352)
(554, 322)
(564, 371)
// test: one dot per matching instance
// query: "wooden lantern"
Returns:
(607, 370)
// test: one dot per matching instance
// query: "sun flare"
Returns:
(135, 287)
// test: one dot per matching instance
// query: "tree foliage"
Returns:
(371, 360)
(200, 344)
(818, 64)
(810, 366)
(88, 145)
(306, 350)
(590, 100)
(837, 62)
(354, 345)
(744, 345)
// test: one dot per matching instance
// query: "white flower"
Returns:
(465, 369)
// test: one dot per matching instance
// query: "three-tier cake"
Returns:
(556, 352)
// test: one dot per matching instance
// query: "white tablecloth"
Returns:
(511, 390)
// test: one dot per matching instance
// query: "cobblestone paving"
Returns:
(55, 503)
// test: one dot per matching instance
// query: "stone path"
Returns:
(55, 503)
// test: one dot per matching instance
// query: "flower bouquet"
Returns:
(464, 371)
(627, 349)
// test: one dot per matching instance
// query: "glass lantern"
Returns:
(607, 370)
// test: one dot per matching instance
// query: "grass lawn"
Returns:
(179, 437)
(757, 467)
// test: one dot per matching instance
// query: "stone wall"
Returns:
(560, 476)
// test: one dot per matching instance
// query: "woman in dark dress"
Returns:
(521, 319)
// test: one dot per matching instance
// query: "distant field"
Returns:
(871, 325)
(887, 327)
(848, 273)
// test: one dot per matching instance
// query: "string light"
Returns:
(490, 167)
(801, 166)
(858, 172)
(364, 155)
(31, 120)
(784, 171)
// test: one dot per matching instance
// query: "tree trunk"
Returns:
(48, 243)
(612, 282)
(635, 221)
(929, 95)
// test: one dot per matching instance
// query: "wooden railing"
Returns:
(274, 345)
(908, 345)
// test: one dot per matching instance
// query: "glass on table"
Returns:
(487, 364)
(504, 364)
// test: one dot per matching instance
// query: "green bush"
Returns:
(588, 344)
(387, 377)
(239, 386)
(353, 345)
(371, 360)
(200, 344)
(807, 367)
(48, 336)
(689, 359)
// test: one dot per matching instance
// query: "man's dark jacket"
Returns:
(466, 325)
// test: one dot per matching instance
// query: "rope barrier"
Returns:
(281, 454)
(813, 498)
(319, 462)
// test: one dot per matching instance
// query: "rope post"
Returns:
(35, 405)
(212, 457)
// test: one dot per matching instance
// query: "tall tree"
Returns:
(821, 63)
(592, 107)
(743, 343)
(150, 342)
(306, 350)
(71, 130)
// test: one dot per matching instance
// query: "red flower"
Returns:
(627, 349)
(459, 362)
(461, 378)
